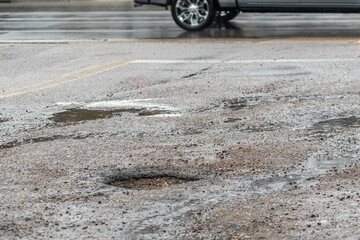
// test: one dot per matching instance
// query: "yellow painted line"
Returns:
(61, 76)
(67, 80)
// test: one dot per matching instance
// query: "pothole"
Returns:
(3, 120)
(149, 182)
(74, 115)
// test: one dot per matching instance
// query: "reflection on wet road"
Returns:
(121, 20)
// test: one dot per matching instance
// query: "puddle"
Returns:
(149, 182)
(350, 122)
(74, 115)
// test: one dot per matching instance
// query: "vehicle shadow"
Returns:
(216, 30)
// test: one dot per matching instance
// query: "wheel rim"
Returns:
(192, 12)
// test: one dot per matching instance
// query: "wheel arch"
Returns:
(216, 4)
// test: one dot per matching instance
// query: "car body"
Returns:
(199, 14)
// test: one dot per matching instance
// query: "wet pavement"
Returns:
(121, 20)
(177, 139)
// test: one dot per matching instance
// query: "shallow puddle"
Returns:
(149, 183)
(73, 115)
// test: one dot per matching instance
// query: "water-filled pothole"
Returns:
(74, 115)
(77, 115)
(150, 182)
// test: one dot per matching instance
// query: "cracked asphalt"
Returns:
(180, 140)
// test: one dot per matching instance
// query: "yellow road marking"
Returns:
(67, 80)
(61, 76)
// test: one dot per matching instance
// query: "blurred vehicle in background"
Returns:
(194, 15)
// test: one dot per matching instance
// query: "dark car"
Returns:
(195, 15)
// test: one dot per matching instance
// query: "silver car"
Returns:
(196, 15)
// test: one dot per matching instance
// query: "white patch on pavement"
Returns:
(149, 104)
(135, 103)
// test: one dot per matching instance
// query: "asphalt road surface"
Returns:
(178, 139)
(121, 20)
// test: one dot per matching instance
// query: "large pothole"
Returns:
(149, 182)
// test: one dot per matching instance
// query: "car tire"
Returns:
(226, 16)
(193, 15)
